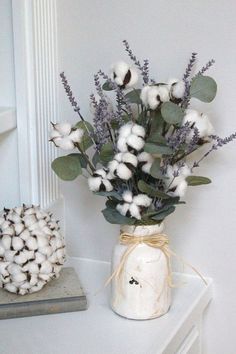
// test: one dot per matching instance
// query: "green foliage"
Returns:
(172, 113)
(203, 88)
(157, 122)
(158, 149)
(81, 158)
(112, 194)
(106, 153)
(155, 170)
(163, 213)
(156, 138)
(114, 217)
(197, 180)
(67, 167)
(151, 191)
(96, 158)
(107, 86)
(86, 139)
(134, 96)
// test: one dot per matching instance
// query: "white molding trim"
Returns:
(36, 74)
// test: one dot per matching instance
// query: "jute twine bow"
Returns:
(160, 241)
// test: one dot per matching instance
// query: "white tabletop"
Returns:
(100, 331)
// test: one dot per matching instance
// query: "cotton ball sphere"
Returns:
(32, 250)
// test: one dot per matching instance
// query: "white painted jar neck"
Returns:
(143, 230)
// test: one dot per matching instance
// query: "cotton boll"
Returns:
(29, 220)
(5, 225)
(45, 277)
(127, 157)
(22, 291)
(120, 70)
(29, 254)
(94, 183)
(20, 259)
(33, 267)
(39, 258)
(47, 251)
(33, 279)
(134, 78)
(9, 255)
(10, 287)
(47, 230)
(53, 257)
(144, 95)
(199, 121)
(127, 196)
(32, 243)
(6, 242)
(146, 160)
(108, 185)
(142, 200)
(2, 249)
(121, 144)
(19, 277)
(63, 128)
(134, 211)
(123, 172)
(64, 143)
(38, 287)
(60, 254)
(181, 189)
(25, 235)
(42, 241)
(125, 130)
(19, 228)
(14, 217)
(3, 269)
(29, 211)
(26, 285)
(135, 142)
(123, 208)
(138, 130)
(17, 243)
(76, 135)
(46, 268)
(178, 89)
(14, 268)
(164, 93)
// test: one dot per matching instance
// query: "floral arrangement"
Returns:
(137, 152)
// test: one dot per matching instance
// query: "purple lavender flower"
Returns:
(206, 67)
(144, 69)
(186, 80)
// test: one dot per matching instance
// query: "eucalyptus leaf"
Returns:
(81, 158)
(107, 86)
(86, 141)
(134, 96)
(151, 191)
(197, 180)
(155, 170)
(157, 122)
(114, 217)
(156, 138)
(163, 213)
(203, 88)
(67, 167)
(96, 158)
(106, 153)
(157, 149)
(172, 113)
(112, 194)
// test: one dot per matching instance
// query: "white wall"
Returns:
(9, 193)
(203, 231)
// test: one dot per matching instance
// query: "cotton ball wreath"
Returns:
(32, 250)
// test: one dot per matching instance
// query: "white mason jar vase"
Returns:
(142, 291)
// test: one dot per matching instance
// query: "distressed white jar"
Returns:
(142, 291)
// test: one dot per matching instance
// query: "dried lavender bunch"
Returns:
(69, 94)
(186, 80)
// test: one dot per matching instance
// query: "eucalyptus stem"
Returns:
(86, 157)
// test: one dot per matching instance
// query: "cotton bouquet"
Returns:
(137, 152)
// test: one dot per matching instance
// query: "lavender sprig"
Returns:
(206, 67)
(219, 143)
(144, 69)
(186, 80)
(69, 94)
